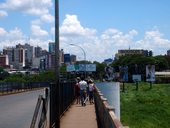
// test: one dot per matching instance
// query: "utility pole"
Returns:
(55, 88)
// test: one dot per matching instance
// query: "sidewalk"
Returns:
(79, 117)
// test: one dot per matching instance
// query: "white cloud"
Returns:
(48, 18)
(71, 26)
(15, 36)
(33, 7)
(36, 22)
(53, 30)
(2, 32)
(3, 13)
(100, 47)
(37, 31)
(154, 40)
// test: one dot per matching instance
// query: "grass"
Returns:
(146, 108)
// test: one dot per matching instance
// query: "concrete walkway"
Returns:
(79, 117)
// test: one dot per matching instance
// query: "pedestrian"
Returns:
(91, 91)
(83, 86)
(77, 90)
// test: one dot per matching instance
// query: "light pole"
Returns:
(55, 88)
(84, 56)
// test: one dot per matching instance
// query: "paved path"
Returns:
(79, 117)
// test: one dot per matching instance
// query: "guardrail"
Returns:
(41, 111)
(12, 87)
(105, 113)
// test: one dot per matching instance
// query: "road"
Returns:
(16, 111)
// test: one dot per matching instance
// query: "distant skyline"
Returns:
(100, 27)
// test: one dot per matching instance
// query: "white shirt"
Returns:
(83, 85)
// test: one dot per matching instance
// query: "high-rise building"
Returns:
(168, 53)
(61, 56)
(4, 61)
(37, 51)
(67, 58)
(73, 59)
(51, 47)
(16, 56)
(28, 53)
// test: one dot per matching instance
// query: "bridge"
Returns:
(18, 109)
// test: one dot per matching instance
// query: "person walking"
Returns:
(83, 86)
(77, 90)
(91, 91)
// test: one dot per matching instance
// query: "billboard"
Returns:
(81, 67)
(150, 73)
(136, 78)
(124, 73)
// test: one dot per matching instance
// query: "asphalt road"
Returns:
(16, 110)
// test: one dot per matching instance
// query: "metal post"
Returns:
(55, 88)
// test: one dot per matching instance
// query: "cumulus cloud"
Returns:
(106, 45)
(15, 36)
(154, 40)
(48, 18)
(33, 7)
(37, 31)
(2, 32)
(71, 26)
(3, 13)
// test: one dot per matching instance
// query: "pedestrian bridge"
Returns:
(98, 115)
(72, 115)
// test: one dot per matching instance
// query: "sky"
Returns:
(99, 27)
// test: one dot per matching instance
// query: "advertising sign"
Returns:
(150, 73)
(70, 68)
(81, 68)
(136, 77)
(91, 67)
(124, 73)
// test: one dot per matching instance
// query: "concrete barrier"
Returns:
(105, 113)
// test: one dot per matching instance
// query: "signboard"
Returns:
(70, 68)
(108, 73)
(91, 67)
(136, 77)
(124, 73)
(150, 73)
(81, 68)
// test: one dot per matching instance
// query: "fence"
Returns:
(12, 87)
(41, 112)
(105, 113)
(67, 92)
(67, 96)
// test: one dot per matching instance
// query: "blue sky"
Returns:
(100, 27)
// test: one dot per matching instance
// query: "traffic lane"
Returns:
(16, 111)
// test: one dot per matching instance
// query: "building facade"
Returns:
(133, 52)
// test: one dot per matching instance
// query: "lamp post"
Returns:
(84, 55)
(55, 88)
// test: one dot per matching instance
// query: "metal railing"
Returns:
(105, 113)
(12, 87)
(67, 92)
(41, 112)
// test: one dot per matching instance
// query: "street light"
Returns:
(83, 53)
(55, 88)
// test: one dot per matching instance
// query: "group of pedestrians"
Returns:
(84, 91)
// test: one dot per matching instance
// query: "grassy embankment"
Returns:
(146, 108)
